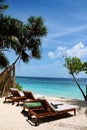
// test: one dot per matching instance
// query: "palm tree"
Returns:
(10, 29)
(30, 42)
(24, 39)
(3, 6)
(3, 60)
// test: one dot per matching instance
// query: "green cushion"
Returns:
(32, 104)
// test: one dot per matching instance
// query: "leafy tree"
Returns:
(10, 29)
(3, 6)
(24, 39)
(3, 60)
(74, 66)
(30, 40)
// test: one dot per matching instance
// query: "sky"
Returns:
(66, 22)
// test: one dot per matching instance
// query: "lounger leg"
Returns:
(12, 102)
(36, 121)
(18, 103)
(23, 109)
(4, 101)
(74, 112)
(29, 116)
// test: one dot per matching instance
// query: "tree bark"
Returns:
(85, 97)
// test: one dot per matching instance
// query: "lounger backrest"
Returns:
(15, 92)
(29, 95)
(47, 105)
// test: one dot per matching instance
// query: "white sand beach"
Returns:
(11, 117)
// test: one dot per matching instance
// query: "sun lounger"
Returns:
(47, 109)
(15, 96)
(28, 104)
(30, 95)
(30, 98)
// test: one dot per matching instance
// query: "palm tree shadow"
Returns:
(80, 105)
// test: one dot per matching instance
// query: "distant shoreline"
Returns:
(46, 77)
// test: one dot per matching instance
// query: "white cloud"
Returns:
(79, 50)
(51, 55)
(59, 52)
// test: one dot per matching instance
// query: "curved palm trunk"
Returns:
(20, 52)
(16, 60)
(85, 97)
(13, 84)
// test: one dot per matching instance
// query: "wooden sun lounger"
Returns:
(30, 97)
(49, 110)
(15, 96)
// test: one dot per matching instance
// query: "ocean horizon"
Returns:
(53, 87)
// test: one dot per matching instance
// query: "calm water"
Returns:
(56, 87)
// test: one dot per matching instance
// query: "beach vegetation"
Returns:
(19, 87)
(75, 66)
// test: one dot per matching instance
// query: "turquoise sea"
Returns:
(56, 87)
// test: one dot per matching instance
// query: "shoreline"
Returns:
(64, 98)
(11, 117)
